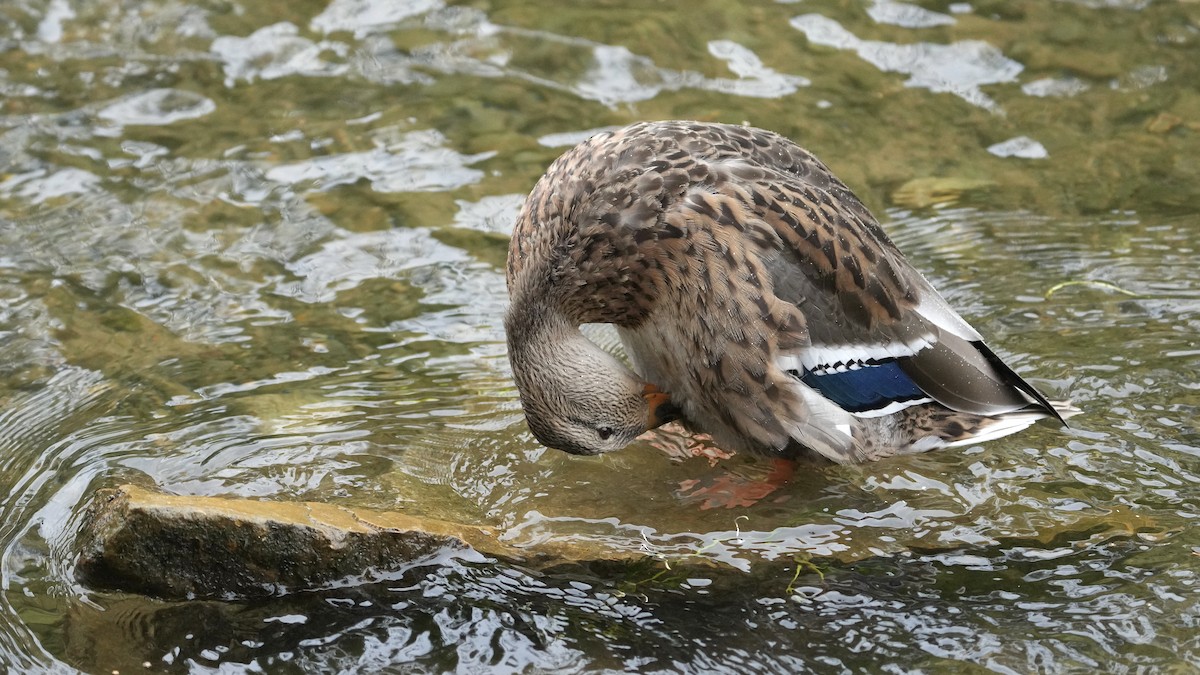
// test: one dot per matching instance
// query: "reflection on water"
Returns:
(257, 250)
(959, 68)
(416, 162)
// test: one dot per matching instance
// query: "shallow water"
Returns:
(256, 249)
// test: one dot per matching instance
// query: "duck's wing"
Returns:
(880, 336)
(875, 337)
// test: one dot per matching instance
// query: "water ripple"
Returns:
(959, 68)
(157, 107)
(416, 162)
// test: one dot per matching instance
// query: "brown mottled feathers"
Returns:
(632, 192)
(740, 272)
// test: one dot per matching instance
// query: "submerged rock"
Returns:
(209, 547)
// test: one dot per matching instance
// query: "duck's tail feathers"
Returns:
(991, 428)
(1064, 410)
(954, 429)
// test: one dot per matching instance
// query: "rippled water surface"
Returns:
(256, 249)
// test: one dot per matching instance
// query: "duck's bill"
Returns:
(662, 410)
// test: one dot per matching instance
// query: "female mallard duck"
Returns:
(757, 298)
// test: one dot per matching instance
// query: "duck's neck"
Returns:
(532, 326)
(545, 345)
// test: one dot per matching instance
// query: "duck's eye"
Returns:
(604, 432)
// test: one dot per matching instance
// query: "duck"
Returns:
(757, 300)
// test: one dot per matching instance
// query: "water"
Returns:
(256, 249)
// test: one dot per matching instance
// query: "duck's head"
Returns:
(577, 397)
(595, 419)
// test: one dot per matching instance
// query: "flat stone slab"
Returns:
(174, 547)
(170, 546)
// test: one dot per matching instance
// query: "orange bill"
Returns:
(662, 410)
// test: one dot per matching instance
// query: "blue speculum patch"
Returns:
(867, 388)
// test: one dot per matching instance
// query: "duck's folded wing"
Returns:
(880, 338)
